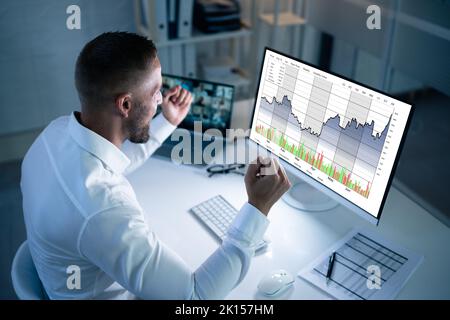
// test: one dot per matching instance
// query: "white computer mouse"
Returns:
(275, 282)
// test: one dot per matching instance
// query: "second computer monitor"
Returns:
(212, 102)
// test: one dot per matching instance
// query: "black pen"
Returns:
(330, 265)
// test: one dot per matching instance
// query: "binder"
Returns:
(186, 8)
(190, 60)
(172, 6)
(164, 59)
(176, 60)
(142, 7)
(155, 19)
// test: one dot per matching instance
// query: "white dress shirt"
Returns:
(80, 210)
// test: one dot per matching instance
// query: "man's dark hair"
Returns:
(112, 64)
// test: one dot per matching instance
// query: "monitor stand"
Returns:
(305, 197)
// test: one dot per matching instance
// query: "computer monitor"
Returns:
(341, 137)
(212, 102)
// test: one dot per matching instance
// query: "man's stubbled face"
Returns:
(146, 100)
(138, 125)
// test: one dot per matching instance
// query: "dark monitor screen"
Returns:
(212, 102)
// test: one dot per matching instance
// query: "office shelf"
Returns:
(284, 19)
(173, 51)
(198, 36)
(239, 78)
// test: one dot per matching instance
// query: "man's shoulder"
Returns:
(56, 128)
(60, 123)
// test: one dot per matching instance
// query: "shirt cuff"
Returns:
(161, 128)
(249, 226)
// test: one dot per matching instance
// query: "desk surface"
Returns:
(166, 191)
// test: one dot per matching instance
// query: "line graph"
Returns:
(349, 155)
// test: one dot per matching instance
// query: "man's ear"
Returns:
(123, 104)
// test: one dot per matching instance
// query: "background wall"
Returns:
(37, 61)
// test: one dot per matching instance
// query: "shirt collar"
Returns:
(98, 146)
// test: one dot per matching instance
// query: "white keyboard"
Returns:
(218, 214)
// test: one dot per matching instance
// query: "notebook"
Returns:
(366, 267)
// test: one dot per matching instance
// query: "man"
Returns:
(82, 214)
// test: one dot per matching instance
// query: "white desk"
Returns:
(166, 191)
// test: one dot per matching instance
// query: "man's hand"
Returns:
(265, 181)
(176, 104)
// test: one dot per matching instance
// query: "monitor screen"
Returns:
(212, 102)
(344, 135)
